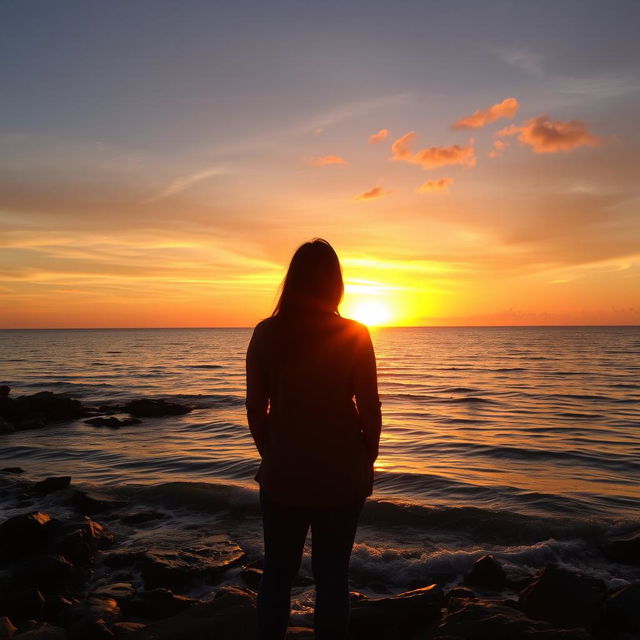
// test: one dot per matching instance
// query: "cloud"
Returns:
(522, 59)
(323, 161)
(372, 194)
(545, 135)
(441, 185)
(498, 148)
(432, 157)
(185, 182)
(478, 119)
(383, 134)
(318, 131)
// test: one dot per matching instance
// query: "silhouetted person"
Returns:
(305, 366)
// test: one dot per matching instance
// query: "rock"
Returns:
(78, 541)
(33, 412)
(49, 485)
(56, 609)
(168, 568)
(486, 572)
(89, 630)
(7, 629)
(93, 609)
(6, 426)
(396, 616)
(251, 577)
(112, 421)
(24, 532)
(5, 390)
(153, 408)
(12, 470)
(44, 631)
(119, 591)
(230, 615)
(92, 503)
(490, 620)
(122, 558)
(141, 517)
(625, 550)
(564, 598)
(21, 604)
(156, 604)
(122, 629)
(45, 572)
(623, 607)
(462, 593)
(299, 633)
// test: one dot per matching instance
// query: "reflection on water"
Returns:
(540, 420)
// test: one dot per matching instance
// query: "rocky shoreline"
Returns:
(65, 575)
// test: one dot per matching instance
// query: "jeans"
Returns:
(333, 530)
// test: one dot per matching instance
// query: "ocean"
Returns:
(523, 442)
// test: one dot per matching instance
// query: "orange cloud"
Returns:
(432, 157)
(323, 161)
(498, 147)
(478, 119)
(441, 185)
(545, 135)
(383, 134)
(372, 194)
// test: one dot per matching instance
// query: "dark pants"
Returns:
(333, 530)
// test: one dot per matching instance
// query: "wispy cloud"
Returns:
(478, 119)
(323, 161)
(522, 59)
(432, 157)
(186, 182)
(545, 135)
(372, 194)
(441, 185)
(498, 148)
(383, 134)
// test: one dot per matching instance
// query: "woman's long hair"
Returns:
(313, 282)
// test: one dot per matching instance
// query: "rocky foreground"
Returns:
(65, 575)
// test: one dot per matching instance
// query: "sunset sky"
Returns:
(473, 163)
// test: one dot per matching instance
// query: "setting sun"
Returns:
(371, 313)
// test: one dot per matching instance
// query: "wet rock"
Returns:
(7, 628)
(24, 532)
(495, 621)
(21, 604)
(56, 609)
(168, 568)
(49, 485)
(5, 390)
(12, 470)
(299, 633)
(141, 517)
(154, 408)
(112, 421)
(119, 591)
(395, 616)
(92, 503)
(230, 615)
(564, 598)
(122, 558)
(623, 608)
(251, 577)
(34, 411)
(44, 631)
(156, 604)
(45, 572)
(625, 550)
(78, 541)
(93, 609)
(6, 426)
(122, 629)
(486, 572)
(89, 630)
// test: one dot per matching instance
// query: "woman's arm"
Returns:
(257, 401)
(366, 392)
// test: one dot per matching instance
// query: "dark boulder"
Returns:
(56, 608)
(78, 540)
(155, 604)
(125, 628)
(21, 604)
(112, 421)
(24, 532)
(89, 630)
(476, 620)
(155, 408)
(49, 573)
(92, 503)
(12, 470)
(169, 568)
(486, 572)
(7, 628)
(52, 406)
(624, 550)
(396, 616)
(230, 615)
(623, 608)
(119, 591)
(564, 598)
(49, 485)
(299, 633)
(6, 426)
(44, 631)
(251, 577)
